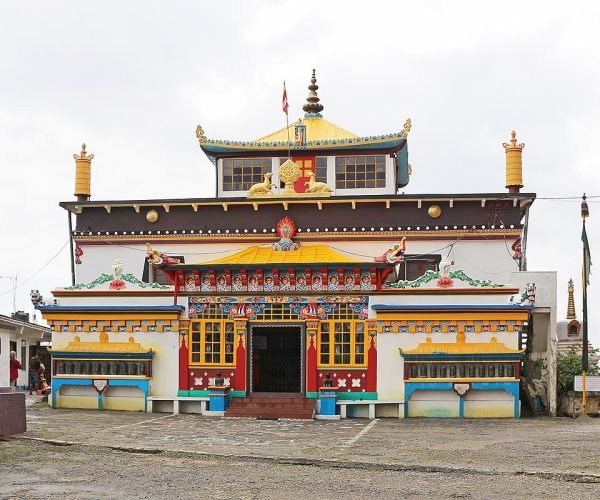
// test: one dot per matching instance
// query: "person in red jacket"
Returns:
(15, 366)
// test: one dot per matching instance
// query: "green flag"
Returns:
(587, 258)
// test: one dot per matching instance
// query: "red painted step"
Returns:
(272, 406)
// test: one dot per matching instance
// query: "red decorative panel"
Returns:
(348, 380)
(200, 378)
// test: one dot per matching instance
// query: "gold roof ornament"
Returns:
(200, 134)
(83, 175)
(312, 107)
(406, 128)
(571, 304)
(289, 172)
(514, 164)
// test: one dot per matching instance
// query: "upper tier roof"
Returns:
(319, 134)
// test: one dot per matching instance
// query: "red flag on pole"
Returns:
(284, 101)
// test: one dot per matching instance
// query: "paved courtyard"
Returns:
(89, 454)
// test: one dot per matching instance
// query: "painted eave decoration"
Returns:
(453, 279)
(124, 282)
(111, 309)
(395, 308)
(215, 148)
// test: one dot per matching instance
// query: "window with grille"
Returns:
(342, 343)
(212, 342)
(275, 312)
(321, 169)
(414, 267)
(353, 172)
(239, 174)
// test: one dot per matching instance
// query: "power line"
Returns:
(37, 272)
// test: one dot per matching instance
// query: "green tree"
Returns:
(567, 366)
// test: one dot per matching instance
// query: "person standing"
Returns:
(15, 366)
(34, 374)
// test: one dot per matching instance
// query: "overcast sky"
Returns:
(133, 79)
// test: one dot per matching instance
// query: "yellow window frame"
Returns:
(328, 344)
(204, 347)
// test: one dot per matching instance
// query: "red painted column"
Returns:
(312, 327)
(241, 330)
(372, 357)
(184, 383)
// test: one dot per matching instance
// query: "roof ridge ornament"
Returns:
(406, 128)
(312, 107)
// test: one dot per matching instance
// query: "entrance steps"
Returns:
(272, 406)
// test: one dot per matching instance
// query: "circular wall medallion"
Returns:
(152, 216)
(434, 211)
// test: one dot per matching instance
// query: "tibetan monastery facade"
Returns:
(306, 277)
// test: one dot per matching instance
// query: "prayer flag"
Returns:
(284, 101)
(587, 258)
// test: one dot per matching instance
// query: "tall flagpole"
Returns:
(285, 106)
(585, 213)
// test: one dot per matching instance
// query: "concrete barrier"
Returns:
(12, 412)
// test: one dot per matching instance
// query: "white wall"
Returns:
(478, 259)
(165, 345)
(545, 307)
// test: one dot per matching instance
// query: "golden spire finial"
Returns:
(83, 155)
(571, 304)
(514, 164)
(312, 106)
(83, 167)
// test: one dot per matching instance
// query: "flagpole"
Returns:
(585, 212)
(287, 120)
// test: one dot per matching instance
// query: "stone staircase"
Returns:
(272, 406)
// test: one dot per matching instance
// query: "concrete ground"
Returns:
(90, 454)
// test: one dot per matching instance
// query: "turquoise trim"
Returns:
(205, 394)
(357, 396)
(402, 175)
(199, 394)
(312, 395)
(511, 387)
(142, 385)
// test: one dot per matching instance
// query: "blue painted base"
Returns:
(219, 399)
(142, 384)
(328, 400)
(511, 387)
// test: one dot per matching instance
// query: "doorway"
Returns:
(276, 358)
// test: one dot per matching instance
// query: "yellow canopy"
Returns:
(317, 129)
(462, 347)
(266, 255)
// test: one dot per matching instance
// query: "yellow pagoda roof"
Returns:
(267, 255)
(317, 129)
(104, 346)
(462, 347)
